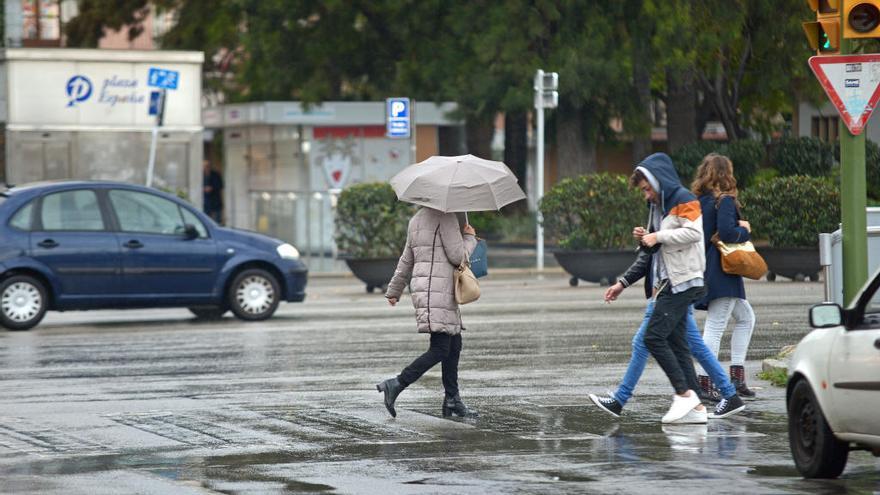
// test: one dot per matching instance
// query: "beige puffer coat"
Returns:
(434, 247)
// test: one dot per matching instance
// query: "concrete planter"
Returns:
(600, 266)
(375, 272)
(796, 263)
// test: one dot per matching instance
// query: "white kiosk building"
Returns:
(84, 114)
(284, 163)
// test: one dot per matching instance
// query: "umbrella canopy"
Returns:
(457, 183)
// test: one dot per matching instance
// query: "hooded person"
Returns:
(676, 226)
(674, 213)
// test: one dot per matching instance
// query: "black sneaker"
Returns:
(728, 407)
(607, 404)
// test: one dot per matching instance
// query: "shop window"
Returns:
(825, 128)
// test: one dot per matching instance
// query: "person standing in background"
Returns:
(212, 192)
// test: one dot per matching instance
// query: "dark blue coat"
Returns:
(725, 220)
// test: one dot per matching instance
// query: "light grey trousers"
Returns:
(719, 314)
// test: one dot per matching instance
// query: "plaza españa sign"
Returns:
(852, 82)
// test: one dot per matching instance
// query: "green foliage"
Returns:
(803, 156)
(487, 224)
(764, 175)
(778, 377)
(746, 155)
(595, 211)
(95, 16)
(687, 158)
(371, 222)
(791, 211)
(611, 55)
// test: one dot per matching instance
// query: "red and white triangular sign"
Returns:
(852, 82)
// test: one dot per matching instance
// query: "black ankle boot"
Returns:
(454, 405)
(392, 388)
(738, 377)
(707, 391)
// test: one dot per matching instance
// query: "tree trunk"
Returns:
(576, 151)
(479, 136)
(641, 128)
(681, 110)
(516, 146)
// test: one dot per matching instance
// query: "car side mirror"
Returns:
(190, 232)
(826, 315)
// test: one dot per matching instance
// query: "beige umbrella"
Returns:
(457, 183)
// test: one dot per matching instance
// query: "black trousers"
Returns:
(444, 349)
(666, 336)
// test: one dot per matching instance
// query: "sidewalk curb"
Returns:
(492, 271)
(780, 361)
(771, 364)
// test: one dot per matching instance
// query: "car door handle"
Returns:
(48, 244)
(877, 343)
(133, 244)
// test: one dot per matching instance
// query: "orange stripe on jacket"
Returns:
(690, 210)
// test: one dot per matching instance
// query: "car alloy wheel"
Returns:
(254, 295)
(22, 302)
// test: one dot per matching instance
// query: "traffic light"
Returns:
(824, 33)
(546, 89)
(861, 18)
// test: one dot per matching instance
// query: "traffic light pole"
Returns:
(539, 190)
(852, 205)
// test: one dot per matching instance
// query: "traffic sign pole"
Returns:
(154, 141)
(852, 203)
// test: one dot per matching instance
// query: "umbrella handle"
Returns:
(466, 222)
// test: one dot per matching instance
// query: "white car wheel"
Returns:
(254, 295)
(22, 302)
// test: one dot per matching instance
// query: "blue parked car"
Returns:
(75, 245)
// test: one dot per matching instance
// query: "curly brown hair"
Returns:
(715, 176)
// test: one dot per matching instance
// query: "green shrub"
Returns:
(687, 158)
(791, 211)
(746, 155)
(371, 222)
(595, 211)
(764, 175)
(803, 156)
(486, 223)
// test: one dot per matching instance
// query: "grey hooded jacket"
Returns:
(434, 247)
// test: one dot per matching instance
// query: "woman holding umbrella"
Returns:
(435, 247)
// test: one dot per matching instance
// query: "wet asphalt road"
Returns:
(153, 401)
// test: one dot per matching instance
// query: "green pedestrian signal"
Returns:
(823, 34)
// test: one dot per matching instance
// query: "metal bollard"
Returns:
(825, 262)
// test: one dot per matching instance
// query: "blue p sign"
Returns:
(398, 109)
(397, 118)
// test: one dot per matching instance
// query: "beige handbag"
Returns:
(467, 289)
(740, 259)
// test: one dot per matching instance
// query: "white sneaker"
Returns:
(693, 417)
(680, 406)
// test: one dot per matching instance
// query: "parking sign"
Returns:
(397, 117)
(163, 78)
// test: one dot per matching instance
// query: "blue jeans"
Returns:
(640, 354)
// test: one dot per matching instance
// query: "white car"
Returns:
(833, 394)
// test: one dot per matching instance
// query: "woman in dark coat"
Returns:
(725, 294)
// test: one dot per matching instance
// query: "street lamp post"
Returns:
(546, 96)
